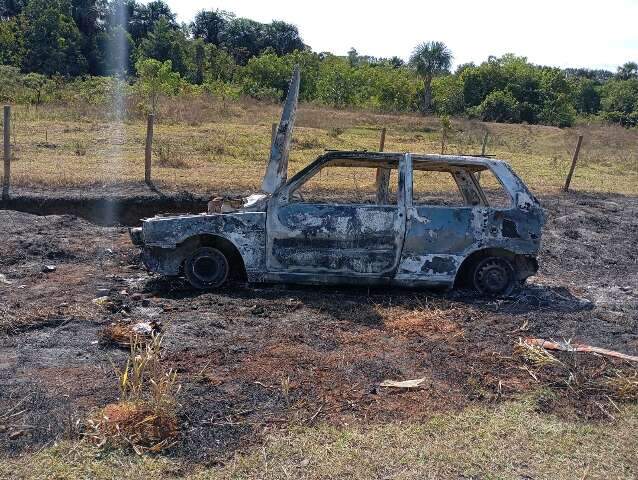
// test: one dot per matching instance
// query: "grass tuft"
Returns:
(623, 385)
(145, 418)
(535, 355)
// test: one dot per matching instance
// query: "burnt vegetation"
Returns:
(242, 361)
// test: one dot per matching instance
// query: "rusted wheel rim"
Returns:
(207, 268)
(494, 276)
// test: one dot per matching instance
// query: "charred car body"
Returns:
(425, 220)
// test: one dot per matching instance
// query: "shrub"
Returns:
(448, 95)
(558, 112)
(499, 106)
(620, 102)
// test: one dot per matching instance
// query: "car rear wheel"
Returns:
(494, 276)
(206, 268)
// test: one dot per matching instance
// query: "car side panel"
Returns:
(246, 231)
(438, 239)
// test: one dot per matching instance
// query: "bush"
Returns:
(558, 112)
(620, 102)
(448, 95)
(499, 106)
(223, 90)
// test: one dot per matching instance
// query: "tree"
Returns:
(142, 18)
(336, 85)
(11, 8)
(115, 52)
(209, 24)
(586, 95)
(268, 72)
(353, 57)
(199, 61)
(447, 95)
(396, 62)
(627, 71)
(430, 59)
(283, 37)
(90, 16)
(52, 40)
(11, 42)
(220, 65)
(620, 102)
(156, 78)
(38, 85)
(165, 43)
(243, 39)
(10, 83)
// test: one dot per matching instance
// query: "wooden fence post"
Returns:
(484, 144)
(7, 153)
(149, 149)
(383, 176)
(573, 167)
(382, 142)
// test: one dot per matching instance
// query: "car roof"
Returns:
(476, 163)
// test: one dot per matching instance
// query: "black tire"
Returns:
(494, 276)
(206, 268)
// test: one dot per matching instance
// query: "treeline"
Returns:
(47, 45)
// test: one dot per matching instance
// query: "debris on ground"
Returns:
(102, 301)
(419, 382)
(48, 268)
(124, 334)
(4, 281)
(578, 347)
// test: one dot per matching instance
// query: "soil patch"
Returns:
(255, 358)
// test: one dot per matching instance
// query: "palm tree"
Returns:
(628, 71)
(430, 59)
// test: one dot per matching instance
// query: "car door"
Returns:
(440, 217)
(322, 238)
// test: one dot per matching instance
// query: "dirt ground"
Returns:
(255, 358)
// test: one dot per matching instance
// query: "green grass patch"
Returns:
(510, 440)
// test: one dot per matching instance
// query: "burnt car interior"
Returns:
(360, 182)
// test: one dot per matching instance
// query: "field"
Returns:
(207, 146)
(284, 382)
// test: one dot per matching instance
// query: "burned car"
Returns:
(363, 218)
(432, 224)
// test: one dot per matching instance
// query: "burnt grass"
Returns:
(256, 358)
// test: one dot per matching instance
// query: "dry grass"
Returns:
(145, 417)
(581, 375)
(225, 145)
(623, 385)
(124, 334)
(15, 320)
(535, 355)
(431, 321)
(168, 155)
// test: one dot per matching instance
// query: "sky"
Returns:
(562, 33)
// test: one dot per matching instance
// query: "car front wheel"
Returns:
(206, 268)
(494, 276)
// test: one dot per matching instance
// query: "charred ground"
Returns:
(252, 359)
